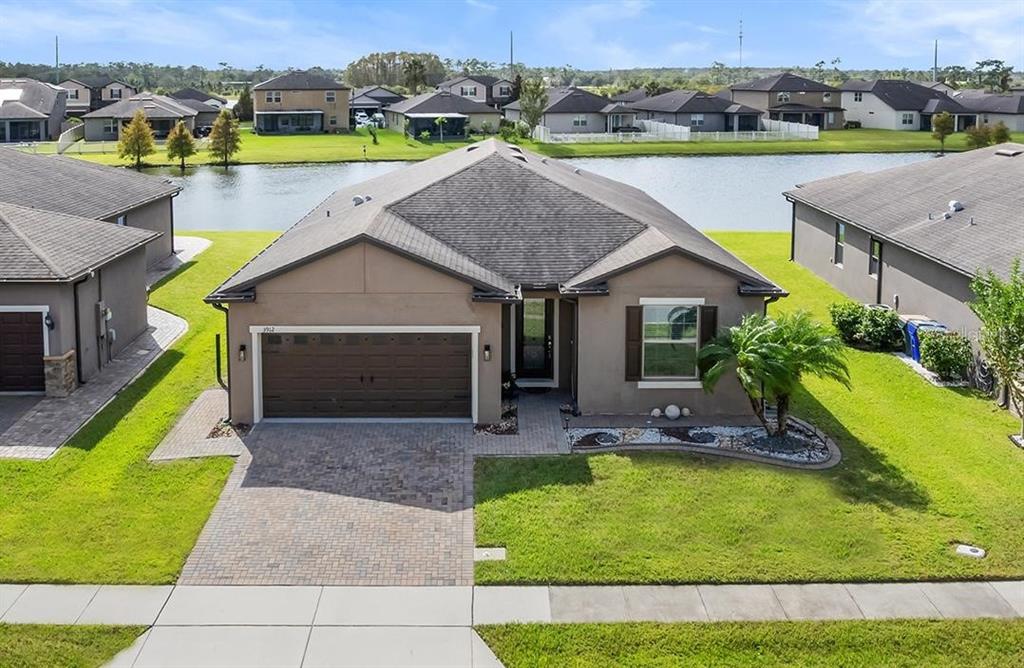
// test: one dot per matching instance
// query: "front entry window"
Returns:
(536, 338)
(670, 341)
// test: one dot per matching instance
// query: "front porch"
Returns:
(288, 122)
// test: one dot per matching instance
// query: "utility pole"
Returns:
(56, 58)
(511, 59)
(741, 44)
(935, 63)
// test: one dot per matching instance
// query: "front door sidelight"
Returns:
(535, 321)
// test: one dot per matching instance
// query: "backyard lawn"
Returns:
(42, 646)
(97, 511)
(909, 644)
(924, 468)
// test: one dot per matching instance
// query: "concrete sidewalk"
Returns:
(424, 626)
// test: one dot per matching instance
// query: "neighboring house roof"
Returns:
(485, 79)
(544, 225)
(898, 94)
(39, 245)
(992, 103)
(379, 93)
(943, 103)
(196, 94)
(440, 102)
(634, 95)
(154, 106)
(691, 102)
(300, 80)
(76, 187)
(796, 106)
(200, 107)
(97, 81)
(28, 98)
(571, 100)
(785, 81)
(895, 204)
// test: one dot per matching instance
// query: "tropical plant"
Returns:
(180, 144)
(948, 354)
(999, 304)
(979, 136)
(415, 72)
(136, 140)
(1000, 133)
(943, 125)
(533, 99)
(425, 135)
(440, 122)
(225, 139)
(770, 356)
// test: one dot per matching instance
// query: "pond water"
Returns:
(710, 192)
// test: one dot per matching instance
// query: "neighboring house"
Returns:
(420, 113)
(200, 96)
(630, 96)
(992, 108)
(572, 109)
(30, 110)
(87, 94)
(940, 86)
(403, 297)
(698, 111)
(72, 296)
(373, 99)
(206, 114)
(162, 112)
(300, 102)
(914, 236)
(492, 91)
(791, 98)
(898, 104)
(89, 190)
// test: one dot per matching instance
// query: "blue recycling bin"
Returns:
(915, 328)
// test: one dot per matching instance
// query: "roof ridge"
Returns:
(38, 252)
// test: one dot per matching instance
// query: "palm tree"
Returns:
(771, 356)
(415, 74)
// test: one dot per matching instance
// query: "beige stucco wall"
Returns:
(158, 217)
(84, 96)
(365, 285)
(306, 100)
(602, 338)
(107, 96)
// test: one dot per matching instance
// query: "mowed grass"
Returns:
(97, 511)
(923, 469)
(907, 644)
(43, 646)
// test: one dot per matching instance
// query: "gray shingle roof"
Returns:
(495, 216)
(570, 100)
(895, 204)
(300, 80)
(992, 103)
(440, 102)
(75, 187)
(379, 93)
(485, 79)
(634, 95)
(196, 94)
(28, 98)
(902, 95)
(153, 105)
(785, 82)
(691, 102)
(37, 245)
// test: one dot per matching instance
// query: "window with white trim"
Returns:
(329, 96)
(837, 255)
(115, 93)
(696, 120)
(783, 96)
(579, 121)
(110, 126)
(273, 96)
(504, 91)
(73, 94)
(333, 120)
(908, 118)
(122, 219)
(467, 91)
(858, 96)
(875, 259)
(670, 341)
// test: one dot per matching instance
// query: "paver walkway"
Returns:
(47, 424)
(190, 437)
(185, 250)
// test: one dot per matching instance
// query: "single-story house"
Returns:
(300, 102)
(162, 112)
(992, 108)
(30, 110)
(791, 98)
(630, 96)
(420, 113)
(898, 104)
(698, 111)
(86, 189)
(403, 297)
(89, 93)
(373, 99)
(490, 90)
(914, 236)
(572, 109)
(200, 96)
(72, 296)
(206, 114)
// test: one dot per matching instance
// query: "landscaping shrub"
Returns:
(946, 354)
(851, 125)
(1000, 133)
(881, 329)
(425, 136)
(846, 318)
(508, 133)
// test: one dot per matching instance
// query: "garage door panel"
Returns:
(21, 352)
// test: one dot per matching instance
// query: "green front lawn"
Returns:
(978, 643)
(923, 469)
(97, 511)
(42, 646)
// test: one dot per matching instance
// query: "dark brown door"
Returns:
(367, 375)
(535, 320)
(21, 352)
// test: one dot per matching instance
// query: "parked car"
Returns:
(202, 131)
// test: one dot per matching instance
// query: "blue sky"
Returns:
(585, 34)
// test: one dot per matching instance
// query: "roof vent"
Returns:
(367, 198)
(515, 148)
(1009, 152)
(955, 205)
(520, 157)
(471, 148)
(946, 215)
(576, 171)
(357, 200)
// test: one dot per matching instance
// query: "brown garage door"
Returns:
(21, 352)
(366, 375)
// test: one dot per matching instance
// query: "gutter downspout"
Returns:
(792, 232)
(78, 333)
(227, 340)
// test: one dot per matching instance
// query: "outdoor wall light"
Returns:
(487, 353)
(241, 353)
(48, 321)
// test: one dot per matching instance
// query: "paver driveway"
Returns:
(343, 504)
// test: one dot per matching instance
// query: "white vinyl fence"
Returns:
(652, 131)
(70, 136)
(790, 130)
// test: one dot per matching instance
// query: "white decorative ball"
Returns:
(656, 413)
(672, 412)
(686, 412)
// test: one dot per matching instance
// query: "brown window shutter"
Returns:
(708, 330)
(634, 342)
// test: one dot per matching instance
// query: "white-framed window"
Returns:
(830, 118)
(73, 94)
(333, 120)
(907, 118)
(782, 96)
(467, 91)
(875, 258)
(122, 219)
(826, 97)
(504, 91)
(115, 93)
(696, 120)
(273, 96)
(110, 126)
(670, 339)
(329, 96)
(579, 121)
(858, 96)
(837, 256)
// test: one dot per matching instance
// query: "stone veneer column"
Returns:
(61, 374)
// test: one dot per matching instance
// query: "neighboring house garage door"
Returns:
(366, 375)
(21, 352)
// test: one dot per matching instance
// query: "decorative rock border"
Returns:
(735, 442)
